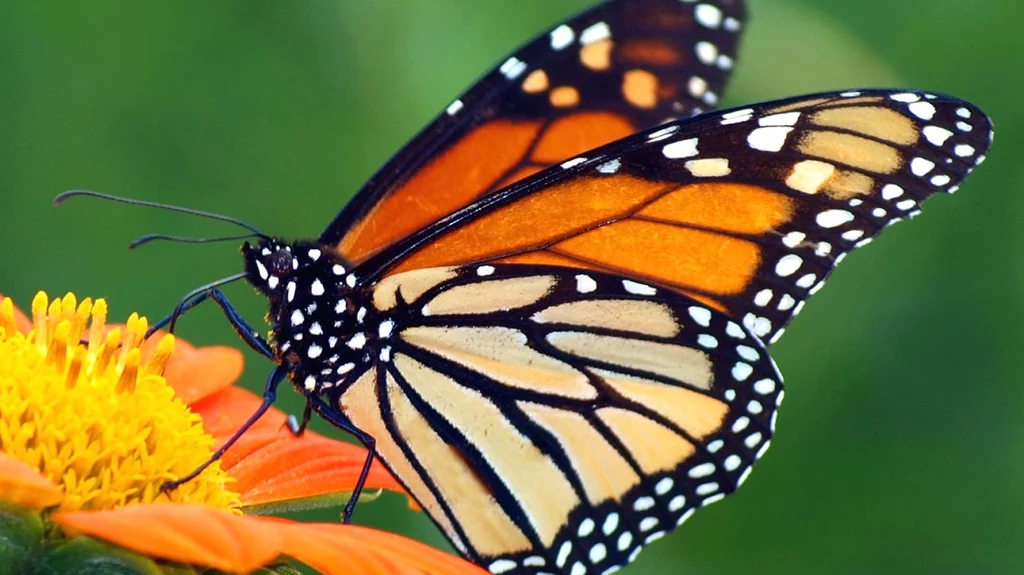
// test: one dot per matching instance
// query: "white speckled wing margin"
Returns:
(750, 209)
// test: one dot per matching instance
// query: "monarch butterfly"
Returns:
(547, 313)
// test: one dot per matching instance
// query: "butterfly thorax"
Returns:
(317, 312)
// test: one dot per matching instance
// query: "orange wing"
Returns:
(747, 211)
(599, 77)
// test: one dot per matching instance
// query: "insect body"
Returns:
(547, 313)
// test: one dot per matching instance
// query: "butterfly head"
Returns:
(269, 264)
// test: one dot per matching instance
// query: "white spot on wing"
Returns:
(921, 166)
(700, 315)
(681, 149)
(697, 86)
(585, 283)
(707, 341)
(890, 191)
(454, 107)
(768, 139)
(737, 116)
(662, 133)
(788, 264)
(936, 135)
(501, 566)
(573, 162)
(595, 33)
(610, 167)
(923, 110)
(833, 218)
(638, 288)
(708, 16)
(963, 150)
(707, 52)
(905, 97)
(512, 68)
(561, 37)
(786, 119)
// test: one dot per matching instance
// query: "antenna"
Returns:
(61, 198)
(185, 240)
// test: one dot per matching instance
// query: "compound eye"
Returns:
(280, 262)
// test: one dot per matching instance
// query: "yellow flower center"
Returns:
(94, 419)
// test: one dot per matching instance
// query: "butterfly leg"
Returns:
(299, 427)
(269, 396)
(249, 335)
(335, 418)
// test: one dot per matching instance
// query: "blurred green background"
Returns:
(899, 445)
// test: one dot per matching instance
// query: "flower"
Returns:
(89, 432)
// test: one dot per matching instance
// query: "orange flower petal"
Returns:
(21, 321)
(284, 467)
(197, 373)
(190, 534)
(203, 372)
(270, 464)
(23, 484)
(335, 549)
(225, 411)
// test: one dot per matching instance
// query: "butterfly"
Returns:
(548, 314)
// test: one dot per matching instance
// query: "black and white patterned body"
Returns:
(317, 312)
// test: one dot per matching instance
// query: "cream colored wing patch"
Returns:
(545, 417)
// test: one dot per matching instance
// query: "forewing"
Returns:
(747, 211)
(603, 75)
